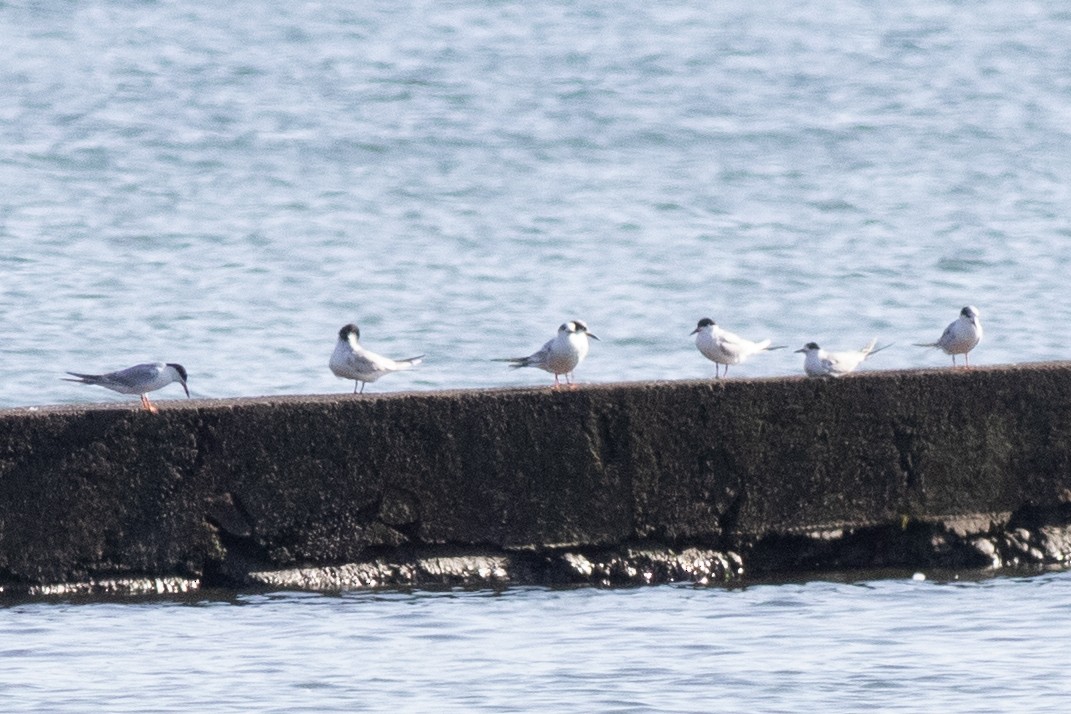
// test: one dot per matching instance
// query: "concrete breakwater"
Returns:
(704, 481)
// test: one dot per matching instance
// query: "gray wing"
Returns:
(838, 363)
(943, 341)
(948, 336)
(129, 378)
(366, 363)
(536, 358)
(832, 365)
(134, 377)
(735, 341)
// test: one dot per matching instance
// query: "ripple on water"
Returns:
(770, 647)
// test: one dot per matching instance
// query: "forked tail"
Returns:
(82, 378)
(870, 349)
(410, 362)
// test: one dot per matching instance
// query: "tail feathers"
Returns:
(775, 347)
(82, 378)
(871, 350)
(514, 362)
(926, 344)
(409, 362)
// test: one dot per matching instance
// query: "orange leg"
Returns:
(149, 405)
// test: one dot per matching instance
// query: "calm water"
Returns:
(885, 645)
(225, 184)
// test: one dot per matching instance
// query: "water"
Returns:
(875, 645)
(225, 184)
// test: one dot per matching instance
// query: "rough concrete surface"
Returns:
(625, 483)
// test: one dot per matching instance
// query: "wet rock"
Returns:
(1056, 543)
(115, 586)
(987, 549)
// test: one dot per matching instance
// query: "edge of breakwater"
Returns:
(700, 481)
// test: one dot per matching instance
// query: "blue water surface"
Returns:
(226, 184)
(898, 645)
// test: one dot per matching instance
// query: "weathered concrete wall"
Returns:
(631, 482)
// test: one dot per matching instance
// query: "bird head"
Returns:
(578, 326)
(704, 324)
(347, 331)
(180, 372)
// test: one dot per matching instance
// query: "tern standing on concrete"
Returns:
(725, 348)
(961, 336)
(350, 360)
(560, 355)
(139, 379)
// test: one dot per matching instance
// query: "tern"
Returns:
(961, 336)
(139, 379)
(725, 348)
(560, 355)
(352, 361)
(819, 363)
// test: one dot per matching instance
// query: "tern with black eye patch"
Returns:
(561, 354)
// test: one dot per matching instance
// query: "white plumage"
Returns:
(725, 348)
(961, 336)
(351, 360)
(819, 363)
(560, 355)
